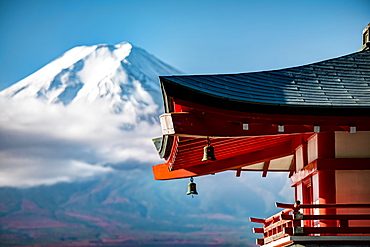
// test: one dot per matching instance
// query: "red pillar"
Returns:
(326, 179)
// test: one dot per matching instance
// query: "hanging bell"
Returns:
(209, 153)
(192, 188)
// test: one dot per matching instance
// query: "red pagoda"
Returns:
(312, 122)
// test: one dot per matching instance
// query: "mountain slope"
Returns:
(89, 112)
(121, 210)
(76, 157)
(123, 75)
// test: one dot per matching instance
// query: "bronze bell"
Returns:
(192, 188)
(209, 153)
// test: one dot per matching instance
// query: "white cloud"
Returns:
(48, 143)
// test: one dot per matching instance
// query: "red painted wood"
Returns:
(327, 194)
(171, 159)
(203, 125)
(257, 230)
(190, 150)
(192, 128)
(307, 193)
(238, 172)
(331, 217)
(326, 145)
(286, 205)
(265, 168)
(305, 153)
(330, 164)
(329, 205)
(308, 170)
(260, 241)
(256, 220)
(330, 230)
(233, 162)
(284, 224)
(361, 123)
(161, 172)
(344, 164)
(292, 168)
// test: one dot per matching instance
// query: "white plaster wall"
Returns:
(299, 158)
(315, 186)
(353, 187)
(356, 145)
(312, 149)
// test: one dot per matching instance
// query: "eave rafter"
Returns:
(273, 151)
(266, 166)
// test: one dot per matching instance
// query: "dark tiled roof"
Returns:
(342, 82)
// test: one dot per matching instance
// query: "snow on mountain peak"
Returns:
(90, 112)
(123, 75)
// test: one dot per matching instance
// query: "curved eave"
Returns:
(177, 92)
(332, 95)
(231, 154)
(339, 87)
(238, 138)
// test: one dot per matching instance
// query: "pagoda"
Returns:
(311, 121)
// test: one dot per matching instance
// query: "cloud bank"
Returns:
(48, 143)
(62, 146)
(44, 144)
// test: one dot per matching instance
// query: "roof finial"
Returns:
(366, 38)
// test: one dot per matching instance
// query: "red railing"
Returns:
(291, 222)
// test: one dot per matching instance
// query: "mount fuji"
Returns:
(76, 157)
(90, 111)
(123, 76)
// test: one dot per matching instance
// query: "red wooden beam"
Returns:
(260, 241)
(350, 205)
(190, 150)
(329, 217)
(243, 160)
(343, 164)
(362, 123)
(331, 164)
(238, 172)
(256, 220)
(265, 168)
(292, 167)
(329, 205)
(161, 171)
(285, 205)
(187, 124)
(258, 230)
(329, 230)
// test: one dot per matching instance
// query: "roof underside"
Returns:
(251, 118)
(262, 153)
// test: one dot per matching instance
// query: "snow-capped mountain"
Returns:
(76, 156)
(123, 75)
(87, 113)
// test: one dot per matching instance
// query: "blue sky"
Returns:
(210, 36)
